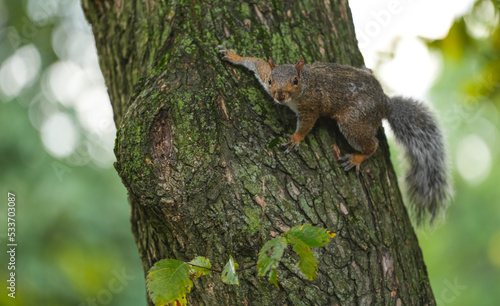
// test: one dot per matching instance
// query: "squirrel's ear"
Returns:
(271, 63)
(299, 65)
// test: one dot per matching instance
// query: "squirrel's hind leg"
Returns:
(361, 139)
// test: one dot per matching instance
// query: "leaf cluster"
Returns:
(169, 280)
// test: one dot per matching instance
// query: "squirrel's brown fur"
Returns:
(355, 98)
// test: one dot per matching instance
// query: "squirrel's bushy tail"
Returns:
(416, 129)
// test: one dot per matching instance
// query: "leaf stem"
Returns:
(220, 271)
(246, 268)
(213, 270)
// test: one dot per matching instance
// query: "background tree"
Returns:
(198, 151)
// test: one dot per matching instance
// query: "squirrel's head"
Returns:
(285, 81)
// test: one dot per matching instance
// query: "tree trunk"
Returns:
(198, 149)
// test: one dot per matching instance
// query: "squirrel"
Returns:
(355, 99)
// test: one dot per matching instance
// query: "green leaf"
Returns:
(307, 263)
(269, 258)
(197, 271)
(311, 236)
(270, 254)
(229, 275)
(168, 281)
(273, 277)
(303, 238)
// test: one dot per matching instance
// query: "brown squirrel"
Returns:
(355, 99)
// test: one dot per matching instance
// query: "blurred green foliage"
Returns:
(75, 246)
(72, 225)
(462, 253)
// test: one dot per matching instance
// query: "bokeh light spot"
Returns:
(59, 135)
(65, 80)
(473, 159)
(19, 71)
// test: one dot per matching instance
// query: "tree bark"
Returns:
(198, 148)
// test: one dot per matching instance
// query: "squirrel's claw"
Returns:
(347, 163)
(227, 54)
(290, 144)
(222, 49)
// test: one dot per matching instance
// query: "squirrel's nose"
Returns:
(281, 96)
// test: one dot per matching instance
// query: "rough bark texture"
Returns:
(198, 139)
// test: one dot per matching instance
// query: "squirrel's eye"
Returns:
(295, 81)
(269, 81)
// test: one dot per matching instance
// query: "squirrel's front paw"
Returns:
(292, 143)
(228, 55)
